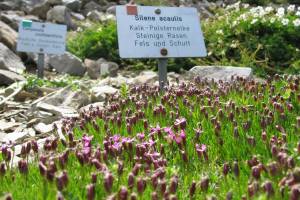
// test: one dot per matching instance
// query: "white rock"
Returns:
(18, 136)
(73, 5)
(43, 128)
(100, 105)
(94, 15)
(109, 68)
(148, 77)
(59, 111)
(8, 36)
(61, 15)
(9, 60)
(100, 92)
(67, 63)
(8, 77)
(220, 72)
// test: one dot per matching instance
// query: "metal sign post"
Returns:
(40, 63)
(162, 73)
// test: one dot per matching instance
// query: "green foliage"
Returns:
(124, 90)
(204, 120)
(258, 38)
(96, 42)
(34, 82)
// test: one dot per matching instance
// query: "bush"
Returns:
(256, 37)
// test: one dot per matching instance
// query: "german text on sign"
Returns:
(156, 32)
(38, 37)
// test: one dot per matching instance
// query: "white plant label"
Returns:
(43, 38)
(159, 32)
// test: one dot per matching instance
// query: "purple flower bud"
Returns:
(108, 181)
(255, 172)
(62, 181)
(59, 196)
(42, 168)
(154, 196)
(141, 185)
(229, 195)
(123, 193)
(7, 156)
(8, 197)
(162, 186)
(204, 183)
(2, 169)
(133, 196)
(268, 188)
(131, 180)
(90, 191)
(173, 184)
(236, 169)
(184, 156)
(23, 167)
(28, 147)
(226, 168)
(192, 189)
(236, 132)
(154, 181)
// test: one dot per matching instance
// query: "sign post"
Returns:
(41, 38)
(162, 73)
(40, 63)
(159, 32)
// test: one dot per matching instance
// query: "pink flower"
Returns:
(170, 133)
(87, 140)
(202, 151)
(141, 136)
(181, 122)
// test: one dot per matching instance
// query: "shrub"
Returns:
(257, 37)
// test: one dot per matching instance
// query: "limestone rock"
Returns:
(42, 128)
(67, 63)
(7, 77)
(7, 5)
(8, 36)
(61, 15)
(58, 111)
(100, 92)
(9, 60)
(74, 5)
(148, 77)
(19, 135)
(13, 18)
(94, 15)
(220, 72)
(111, 10)
(92, 68)
(90, 6)
(67, 97)
(41, 10)
(108, 68)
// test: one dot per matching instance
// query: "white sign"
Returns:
(41, 37)
(156, 32)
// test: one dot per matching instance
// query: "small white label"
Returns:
(38, 37)
(156, 32)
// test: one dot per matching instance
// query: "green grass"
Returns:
(198, 104)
